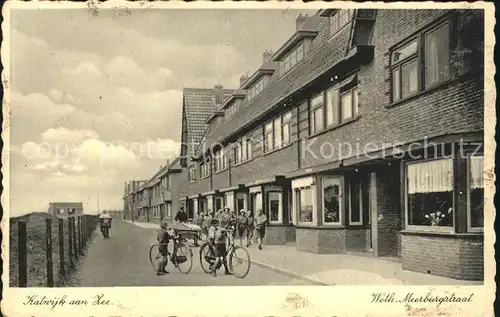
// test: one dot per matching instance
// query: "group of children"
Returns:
(244, 223)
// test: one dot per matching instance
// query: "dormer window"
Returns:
(340, 19)
(292, 58)
(257, 88)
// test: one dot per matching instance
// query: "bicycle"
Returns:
(159, 254)
(207, 256)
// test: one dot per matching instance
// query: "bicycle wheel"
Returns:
(207, 257)
(183, 257)
(157, 260)
(239, 262)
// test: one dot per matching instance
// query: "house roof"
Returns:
(198, 105)
(321, 56)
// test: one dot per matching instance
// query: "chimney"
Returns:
(243, 79)
(299, 22)
(218, 94)
(266, 56)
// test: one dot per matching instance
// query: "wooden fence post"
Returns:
(75, 243)
(70, 243)
(22, 254)
(48, 252)
(80, 236)
(61, 246)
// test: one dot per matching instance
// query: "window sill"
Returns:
(416, 232)
(321, 227)
(356, 118)
(276, 150)
(241, 163)
(221, 171)
(429, 90)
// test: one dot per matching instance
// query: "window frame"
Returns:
(340, 90)
(335, 21)
(192, 173)
(469, 189)
(280, 206)
(360, 181)
(205, 169)
(287, 59)
(296, 194)
(282, 124)
(342, 191)
(419, 56)
(445, 229)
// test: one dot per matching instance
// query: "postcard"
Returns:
(248, 158)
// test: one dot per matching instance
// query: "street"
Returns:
(123, 261)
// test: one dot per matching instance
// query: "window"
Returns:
(205, 168)
(341, 105)
(430, 193)
(219, 202)
(475, 208)
(192, 173)
(285, 138)
(257, 88)
(339, 20)
(243, 150)
(359, 202)
(256, 202)
(304, 202)
(268, 136)
(422, 62)
(292, 58)
(277, 132)
(60, 211)
(274, 206)
(316, 113)
(220, 160)
(332, 200)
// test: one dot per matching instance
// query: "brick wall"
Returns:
(331, 240)
(453, 108)
(275, 163)
(387, 218)
(449, 256)
(221, 180)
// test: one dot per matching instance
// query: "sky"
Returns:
(95, 100)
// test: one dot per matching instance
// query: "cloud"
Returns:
(64, 135)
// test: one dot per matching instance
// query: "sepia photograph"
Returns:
(265, 146)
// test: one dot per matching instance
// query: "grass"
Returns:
(36, 250)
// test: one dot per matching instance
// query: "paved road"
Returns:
(123, 261)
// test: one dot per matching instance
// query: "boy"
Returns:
(218, 236)
(163, 236)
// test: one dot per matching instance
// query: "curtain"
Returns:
(476, 172)
(430, 177)
(432, 59)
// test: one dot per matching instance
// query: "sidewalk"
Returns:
(146, 225)
(342, 269)
(336, 269)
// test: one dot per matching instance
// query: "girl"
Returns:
(260, 227)
(241, 224)
(250, 227)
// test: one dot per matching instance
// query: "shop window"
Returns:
(422, 62)
(332, 200)
(304, 202)
(274, 206)
(430, 193)
(475, 212)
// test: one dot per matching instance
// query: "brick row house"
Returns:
(155, 199)
(363, 132)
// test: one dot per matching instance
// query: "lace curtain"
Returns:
(430, 177)
(476, 172)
